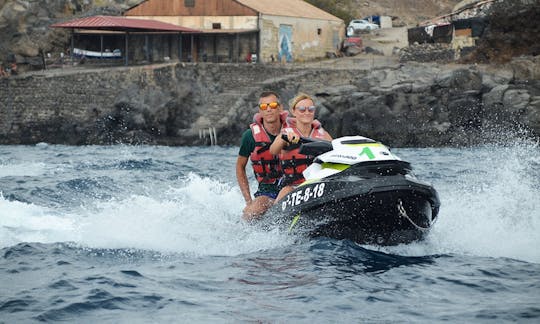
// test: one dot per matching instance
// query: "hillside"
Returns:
(406, 12)
(25, 32)
(410, 12)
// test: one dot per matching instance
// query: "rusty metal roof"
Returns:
(122, 24)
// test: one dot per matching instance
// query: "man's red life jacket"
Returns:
(292, 162)
(266, 166)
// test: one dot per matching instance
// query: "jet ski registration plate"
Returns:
(303, 194)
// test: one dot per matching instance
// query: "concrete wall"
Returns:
(386, 22)
(159, 104)
(311, 38)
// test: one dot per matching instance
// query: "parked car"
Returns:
(361, 24)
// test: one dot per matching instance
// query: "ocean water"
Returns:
(142, 234)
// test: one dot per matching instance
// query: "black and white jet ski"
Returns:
(357, 189)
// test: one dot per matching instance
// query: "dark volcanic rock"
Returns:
(179, 104)
(25, 25)
(513, 29)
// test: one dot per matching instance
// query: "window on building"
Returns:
(189, 3)
(319, 31)
(216, 25)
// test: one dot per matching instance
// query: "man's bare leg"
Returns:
(257, 207)
(283, 192)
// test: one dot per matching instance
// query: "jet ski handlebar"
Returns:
(315, 147)
(309, 146)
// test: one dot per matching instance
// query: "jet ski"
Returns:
(357, 189)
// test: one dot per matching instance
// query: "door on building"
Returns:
(336, 41)
(285, 43)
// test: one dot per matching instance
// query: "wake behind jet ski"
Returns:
(357, 189)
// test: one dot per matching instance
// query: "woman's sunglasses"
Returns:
(303, 109)
(272, 105)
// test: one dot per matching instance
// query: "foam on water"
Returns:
(498, 216)
(200, 217)
(29, 169)
(22, 222)
(492, 210)
(490, 207)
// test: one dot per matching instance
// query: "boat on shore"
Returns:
(93, 54)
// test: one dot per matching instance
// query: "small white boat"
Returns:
(93, 54)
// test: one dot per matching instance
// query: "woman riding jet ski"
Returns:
(357, 189)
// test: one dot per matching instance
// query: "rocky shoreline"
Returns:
(408, 104)
(400, 103)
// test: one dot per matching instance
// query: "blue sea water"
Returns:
(153, 234)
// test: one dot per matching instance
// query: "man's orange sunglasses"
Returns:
(272, 105)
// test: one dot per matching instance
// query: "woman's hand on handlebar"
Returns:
(290, 136)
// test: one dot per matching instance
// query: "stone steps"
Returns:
(220, 106)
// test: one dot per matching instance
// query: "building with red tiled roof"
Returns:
(286, 30)
(117, 33)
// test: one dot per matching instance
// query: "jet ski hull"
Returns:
(386, 210)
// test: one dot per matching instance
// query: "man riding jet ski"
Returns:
(357, 189)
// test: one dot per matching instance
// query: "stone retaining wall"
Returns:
(409, 105)
(137, 104)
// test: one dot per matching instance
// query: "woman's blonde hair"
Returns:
(299, 97)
